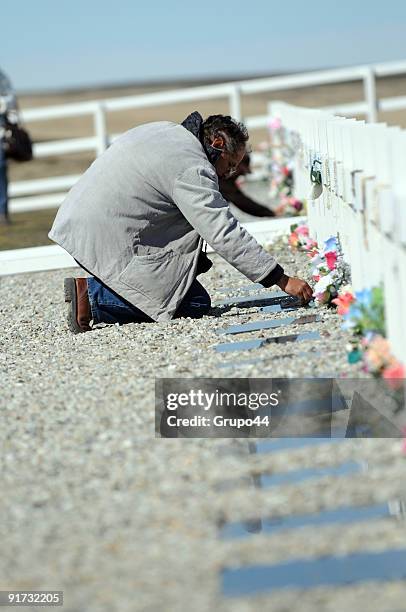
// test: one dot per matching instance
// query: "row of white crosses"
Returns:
(363, 199)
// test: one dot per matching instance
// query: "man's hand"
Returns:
(296, 287)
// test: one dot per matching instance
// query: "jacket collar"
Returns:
(193, 123)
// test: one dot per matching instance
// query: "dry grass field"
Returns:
(29, 231)
(120, 121)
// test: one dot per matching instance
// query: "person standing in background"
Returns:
(8, 112)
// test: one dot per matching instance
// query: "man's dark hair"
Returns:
(233, 132)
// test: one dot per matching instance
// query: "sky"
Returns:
(50, 44)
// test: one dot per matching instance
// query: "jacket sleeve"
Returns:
(197, 196)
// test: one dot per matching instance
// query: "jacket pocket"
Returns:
(152, 274)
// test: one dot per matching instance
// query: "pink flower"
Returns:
(378, 356)
(343, 303)
(394, 374)
(293, 239)
(331, 258)
(381, 346)
(275, 123)
(302, 230)
(311, 247)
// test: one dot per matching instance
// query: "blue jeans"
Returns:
(3, 182)
(108, 307)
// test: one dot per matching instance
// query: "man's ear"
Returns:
(218, 142)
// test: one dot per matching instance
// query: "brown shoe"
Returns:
(79, 312)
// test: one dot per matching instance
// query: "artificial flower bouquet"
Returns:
(330, 271)
(281, 181)
(289, 206)
(364, 316)
(299, 238)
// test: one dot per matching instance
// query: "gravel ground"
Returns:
(95, 505)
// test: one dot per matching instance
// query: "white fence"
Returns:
(37, 259)
(49, 192)
(363, 199)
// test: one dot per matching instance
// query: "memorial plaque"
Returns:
(266, 298)
(342, 570)
(297, 476)
(248, 345)
(337, 516)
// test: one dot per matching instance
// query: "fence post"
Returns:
(100, 128)
(235, 103)
(370, 94)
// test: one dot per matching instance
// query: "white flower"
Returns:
(323, 284)
(346, 289)
(317, 260)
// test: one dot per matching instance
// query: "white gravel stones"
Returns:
(95, 505)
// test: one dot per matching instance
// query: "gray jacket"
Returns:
(137, 218)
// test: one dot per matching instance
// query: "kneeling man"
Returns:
(136, 221)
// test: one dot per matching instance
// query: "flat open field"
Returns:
(120, 121)
(31, 228)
